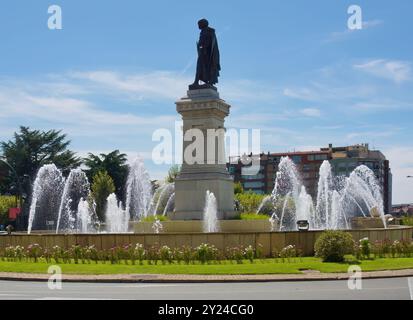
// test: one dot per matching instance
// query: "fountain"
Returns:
(76, 188)
(47, 191)
(362, 192)
(266, 201)
(157, 226)
(68, 202)
(210, 223)
(116, 219)
(85, 220)
(170, 204)
(338, 199)
(161, 197)
(138, 190)
(289, 197)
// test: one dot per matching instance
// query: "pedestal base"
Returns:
(190, 198)
(203, 110)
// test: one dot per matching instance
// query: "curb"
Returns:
(163, 278)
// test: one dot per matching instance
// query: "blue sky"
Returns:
(290, 68)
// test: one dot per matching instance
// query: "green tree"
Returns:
(249, 201)
(31, 149)
(114, 163)
(173, 173)
(6, 202)
(102, 187)
(238, 188)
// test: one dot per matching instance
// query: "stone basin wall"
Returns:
(268, 241)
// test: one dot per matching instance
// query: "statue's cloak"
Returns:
(208, 65)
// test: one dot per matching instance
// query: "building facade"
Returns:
(342, 159)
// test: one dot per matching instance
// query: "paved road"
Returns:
(395, 288)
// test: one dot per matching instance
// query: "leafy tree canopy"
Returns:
(31, 149)
(114, 163)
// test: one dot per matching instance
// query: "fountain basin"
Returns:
(367, 223)
(196, 226)
(267, 242)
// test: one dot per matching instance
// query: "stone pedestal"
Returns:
(204, 112)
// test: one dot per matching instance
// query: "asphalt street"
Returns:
(387, 289)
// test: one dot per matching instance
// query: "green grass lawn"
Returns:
(267, 266)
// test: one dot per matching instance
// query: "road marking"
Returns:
(150, 285)
(70, 298)
(410, 283)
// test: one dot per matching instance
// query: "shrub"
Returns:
(153, 255)
(154, 218)
(406, 221)
(288, 252)
(19, 253)
(249, 201)
(67, 256)
(140, 253)
(249, 253)
(365, 248)
(205, 253)
(238, 188)
(178, 255)
(236, 254)
(47, 255)
(166, 254)
(381, 248)
(407, 248)
(92, 254)
(34, 251)
(331, 246)
(114, 255)
(57, 253)
(126, 253)
(396, 249)
(6, 202)
(76, 253)
(187, 254)
(253, 216)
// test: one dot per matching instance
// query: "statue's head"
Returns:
(203, 23)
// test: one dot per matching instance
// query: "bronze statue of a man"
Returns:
(208, 65)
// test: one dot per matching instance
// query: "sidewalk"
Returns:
(181, 278)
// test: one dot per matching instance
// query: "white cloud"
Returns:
(341, 35)
(149, 85)
(356, 136)
(301, 93)
(326, 92)
(311, 112)
(394, 70)
(372, 23)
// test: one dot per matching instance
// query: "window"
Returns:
(250, 171)
(253, 185)
(307, 167)
(253, 177)
(296, 159)
(320, 157)
(317, 157)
